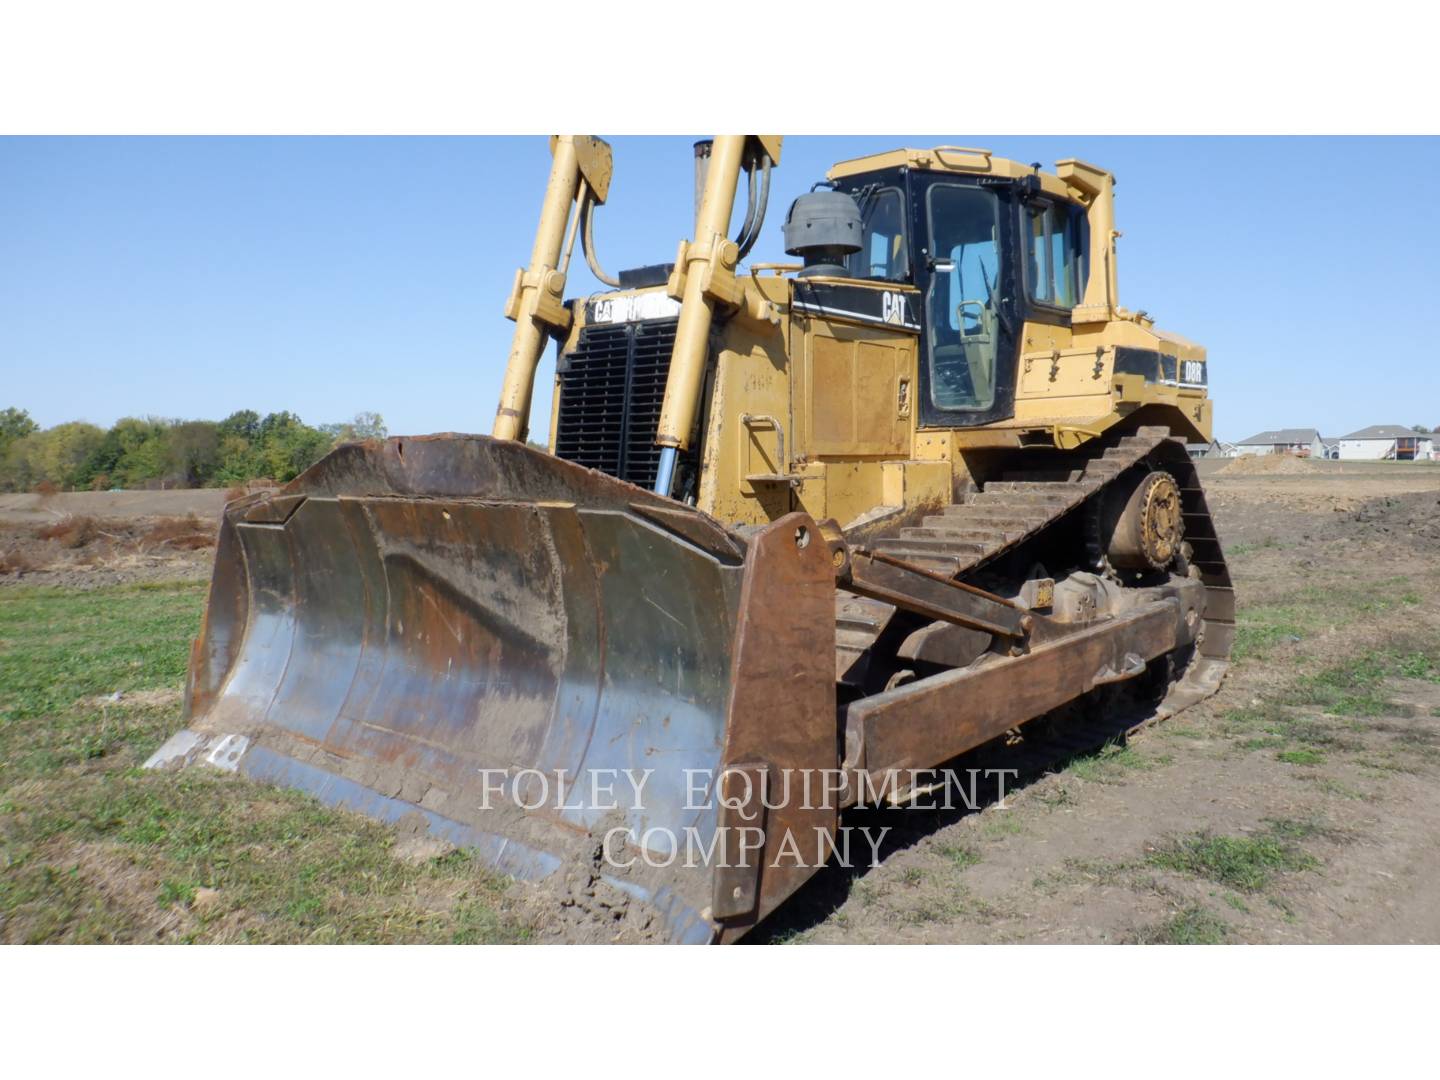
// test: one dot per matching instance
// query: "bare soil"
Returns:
(1300, 804)
(92, 538)
(1321, 754)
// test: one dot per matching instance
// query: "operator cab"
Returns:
(989, 244)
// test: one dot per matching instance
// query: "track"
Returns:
(1005, 514)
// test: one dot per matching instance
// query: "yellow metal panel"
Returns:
(860, 390)
(852, 488)
(955, 159)
(878, 423)
(832, 402)
(1062, 373)
(751, 377)
(916, 483)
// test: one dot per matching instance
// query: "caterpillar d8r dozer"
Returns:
(838, 521)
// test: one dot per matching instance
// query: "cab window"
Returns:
(1054, 272)
(882, 239)
(963, 300)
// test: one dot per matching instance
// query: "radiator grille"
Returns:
(611, 389)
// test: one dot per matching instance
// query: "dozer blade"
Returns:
(584, 682)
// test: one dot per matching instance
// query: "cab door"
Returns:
(966, 271)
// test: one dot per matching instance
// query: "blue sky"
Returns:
(190, 277)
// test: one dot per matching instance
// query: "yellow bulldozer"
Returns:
(839, 520)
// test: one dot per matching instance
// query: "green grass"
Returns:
(1331, 786)
(1053, 798)
(959, 855)
(1108, 764)
(1242, 549)
(1191, 926)
(1246, 863)
(95, 849)
(1001, 823)
(1261, 628)
(1383, 765)
(1300, 722)
(59, 648)
(951, 906)
(1304, 829)
(1355, 687)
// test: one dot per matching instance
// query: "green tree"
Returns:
(18, 463)
(15, 424)
(245, 424)
(194, 451)
(144, 451)
(237, 461)
(244, 446)
(57, 455)
(288, 446)
(366, 425)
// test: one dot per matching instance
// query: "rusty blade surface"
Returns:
(464, 634)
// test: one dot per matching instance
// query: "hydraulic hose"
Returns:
(587, 243)
(755, 222)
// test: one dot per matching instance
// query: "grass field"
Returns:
(1300, 803)
(94, 849)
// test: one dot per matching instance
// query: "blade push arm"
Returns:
(579, 172)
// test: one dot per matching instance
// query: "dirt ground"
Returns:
(1301, 804)
(88, 539)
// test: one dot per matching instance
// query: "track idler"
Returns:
(1140, 521)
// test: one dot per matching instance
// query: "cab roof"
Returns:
(1072, 180)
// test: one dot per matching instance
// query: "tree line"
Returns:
(153, 452)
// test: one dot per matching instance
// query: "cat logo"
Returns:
(892, 308)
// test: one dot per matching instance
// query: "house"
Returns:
(1387, 442)
(1216, 449)
(1302, 442)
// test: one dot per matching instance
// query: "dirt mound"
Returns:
(188, 533)
(83, 551)
(70, 532)
(1270, 465)
(1413, 519)
(27, 508)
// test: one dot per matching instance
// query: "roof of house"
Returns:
(1386, 431)
(1286, 436)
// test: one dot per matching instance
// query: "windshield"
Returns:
(882, 239)
(962, 304)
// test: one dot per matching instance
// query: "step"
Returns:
(853, 642)
(1043, 487)
(861, 614)
(936, 564)
(1019, 499)
(1105, 469)
(988, 517)
(952, 532)
(890, 546)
